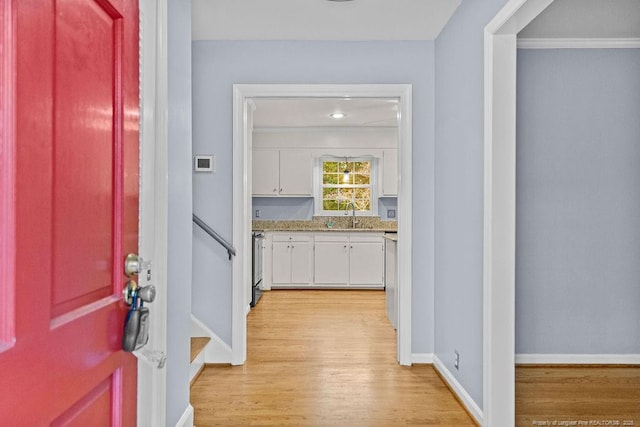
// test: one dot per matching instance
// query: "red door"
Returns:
(69, 209)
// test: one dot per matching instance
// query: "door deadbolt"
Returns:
(132, 265)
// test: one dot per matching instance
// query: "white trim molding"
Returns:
(186, 420)
(216, 350)
(242, 144)
(498, 338)
(153, 207)
(470, 405)
(579, 43)
(578, 359)
(422, 358)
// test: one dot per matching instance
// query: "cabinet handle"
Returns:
(281, 190)
(275, 190)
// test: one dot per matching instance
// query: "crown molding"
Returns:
(579, 43)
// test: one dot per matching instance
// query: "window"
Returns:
(344, 182)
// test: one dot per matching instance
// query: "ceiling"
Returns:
(586, 19)
(320, 19)
(314, 112)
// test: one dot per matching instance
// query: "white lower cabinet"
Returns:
(366, 263)
(331, 260)
(350, 260)
(327, 260)
(291, 260)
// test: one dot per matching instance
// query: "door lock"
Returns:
(134, 265)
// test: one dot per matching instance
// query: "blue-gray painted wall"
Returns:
(179, 209)
(217, 65)
(459, 191)
(578, 201)
(296, 208)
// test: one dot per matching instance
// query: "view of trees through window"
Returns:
(344, 182)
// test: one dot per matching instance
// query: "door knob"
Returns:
(132, 291)
(147, 293)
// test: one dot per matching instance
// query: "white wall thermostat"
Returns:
(204, 163)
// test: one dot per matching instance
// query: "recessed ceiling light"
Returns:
(337, 115)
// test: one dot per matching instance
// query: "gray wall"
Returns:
(217, 65)
(179, 209)
(292, 208)
(459, 191)
(578, 202)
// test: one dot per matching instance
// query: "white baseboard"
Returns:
(216, 351)
(580, 43)
(196, 366)
(186, 420)
(422, 358)
(578, 359)
(471, 406)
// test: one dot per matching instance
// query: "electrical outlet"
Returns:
(391, 213)
(456, 360)
(258, 213)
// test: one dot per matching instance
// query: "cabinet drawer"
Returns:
(365, 237)
(291, 238)
(330, 236)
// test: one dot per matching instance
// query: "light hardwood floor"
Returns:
(320, 358)
(323, 358)
(591, 394)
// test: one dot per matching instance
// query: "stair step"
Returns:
(197, 344)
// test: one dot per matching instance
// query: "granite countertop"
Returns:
(340, 223)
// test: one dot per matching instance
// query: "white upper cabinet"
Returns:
(266, 172)
(390, 172)
(282, 173)
(296, 172)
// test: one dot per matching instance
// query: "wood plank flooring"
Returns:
(197, 344)
(591, 394)
(321, 358)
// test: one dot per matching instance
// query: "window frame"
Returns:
(318, 185)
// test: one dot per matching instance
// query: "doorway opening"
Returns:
(245, 97)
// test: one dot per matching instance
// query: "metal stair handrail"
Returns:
(218, 238)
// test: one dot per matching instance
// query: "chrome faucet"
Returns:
(354, 221)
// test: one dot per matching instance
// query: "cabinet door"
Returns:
(366, 263)
(281, 262)
(265, 169)
(391, 288)
(296, 173)
(301, 262)
(331, 263)
(390, 172)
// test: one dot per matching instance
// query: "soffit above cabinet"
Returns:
(320, 19)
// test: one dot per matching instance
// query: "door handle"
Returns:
(132, 291)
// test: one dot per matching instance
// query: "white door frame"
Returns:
(153, 222)
(242, 95)
(500, 50)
